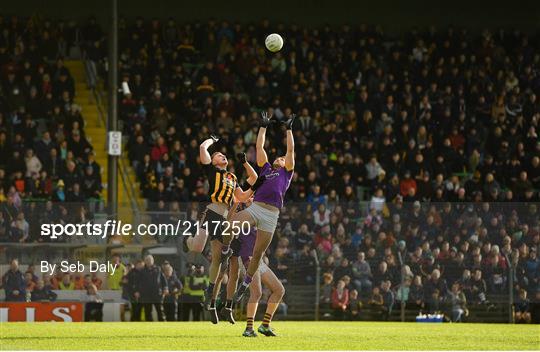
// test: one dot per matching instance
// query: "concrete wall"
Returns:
(394, 15)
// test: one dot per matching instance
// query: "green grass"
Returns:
(292, 335)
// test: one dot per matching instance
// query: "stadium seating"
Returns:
(422, 146)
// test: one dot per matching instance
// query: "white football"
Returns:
(274, 42)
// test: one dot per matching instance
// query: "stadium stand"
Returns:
(418, 157)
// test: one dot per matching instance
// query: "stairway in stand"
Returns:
(96, 133)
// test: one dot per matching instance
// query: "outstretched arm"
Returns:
(262, 158)
(239, 194)
(203, 150)
(289, 157)
(251, 173)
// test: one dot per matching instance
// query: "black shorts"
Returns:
(213, 223)
(235, 246)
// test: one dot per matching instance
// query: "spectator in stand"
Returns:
(340, 300)
(355, 305)
(376, 301)
(152, 288)
(93, 308)
(344, 269)
(170, 302)
(522, 312)
(114, 281)
(30, 284)
(67, 283)
(14, 283)
(361, 273)
(435, 283)
(416, 293)
(133, 284)
(458, 303)
(326, 292)
(43, 292)
(388, 299)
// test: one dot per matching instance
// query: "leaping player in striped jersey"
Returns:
(223, 188)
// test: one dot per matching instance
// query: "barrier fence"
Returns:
(466, 261)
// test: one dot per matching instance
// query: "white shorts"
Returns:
(263, 267)
(265, 219)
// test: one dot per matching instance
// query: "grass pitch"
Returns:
(292, 335)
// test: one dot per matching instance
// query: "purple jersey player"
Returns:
(263, 213)
(242, 248)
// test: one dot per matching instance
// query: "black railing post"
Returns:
(317, 284)
(402, 305)
(510, 289)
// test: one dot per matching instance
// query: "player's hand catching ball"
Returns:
(241, 158)
(289, 122)
(266, 119)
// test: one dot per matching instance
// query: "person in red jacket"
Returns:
(159, 149)
(340, 300)
(407, 183)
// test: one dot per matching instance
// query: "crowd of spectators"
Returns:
(418, 154)
(44, 153)
(441, 115)
(149, 289)
(422, 146)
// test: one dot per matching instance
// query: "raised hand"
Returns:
(241, 158)
(214, 138)
(289, 122)
(266, 119)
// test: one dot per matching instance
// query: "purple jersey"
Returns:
(276, 183)
(247, 242)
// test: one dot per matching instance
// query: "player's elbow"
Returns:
(242, 196)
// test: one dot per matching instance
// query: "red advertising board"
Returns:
(41, 311)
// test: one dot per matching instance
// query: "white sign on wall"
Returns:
(115, 143)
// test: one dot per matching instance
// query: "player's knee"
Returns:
(255, 294)
(280, 291)
(194, 245)
(196, 248)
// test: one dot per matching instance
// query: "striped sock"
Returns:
(267, 319)
(249, 323)
(228, 304)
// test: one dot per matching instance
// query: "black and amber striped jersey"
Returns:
(221, 184)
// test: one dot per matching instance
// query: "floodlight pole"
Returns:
(112, 118)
